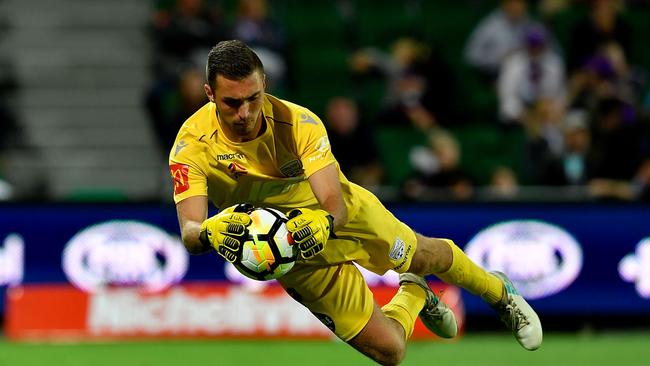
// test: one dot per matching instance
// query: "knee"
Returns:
(431, 256)
(389, 350)
(391, 355)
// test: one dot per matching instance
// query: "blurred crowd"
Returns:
(580, 104)
(183, 31)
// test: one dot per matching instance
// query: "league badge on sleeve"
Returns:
(180, 173)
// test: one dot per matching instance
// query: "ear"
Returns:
(208, 92)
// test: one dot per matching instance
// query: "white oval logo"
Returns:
(635, 267)
(124, 253)
(12, 260)
(541, 259)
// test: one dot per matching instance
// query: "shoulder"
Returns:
(493, 21)
(200, 123)
(196, 130)
(289, 113)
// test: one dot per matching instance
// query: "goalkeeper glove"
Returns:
(310, 229)
(227, 230)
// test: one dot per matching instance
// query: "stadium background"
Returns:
(79, 148)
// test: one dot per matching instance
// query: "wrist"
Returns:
(330, 220)
(203, 238)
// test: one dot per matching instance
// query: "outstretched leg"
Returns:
(444, 259)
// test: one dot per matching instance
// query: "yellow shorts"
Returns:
(331, 287)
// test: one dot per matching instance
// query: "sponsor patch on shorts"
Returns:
(326, 320)
(397, 250)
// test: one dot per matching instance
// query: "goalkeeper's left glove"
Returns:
(310, 229)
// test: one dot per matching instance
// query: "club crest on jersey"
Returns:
(237, 170)
(291, 168)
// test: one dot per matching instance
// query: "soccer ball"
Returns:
(268, 252)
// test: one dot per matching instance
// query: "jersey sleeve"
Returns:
(312, 143)
(187, 166)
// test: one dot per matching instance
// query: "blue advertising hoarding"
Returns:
(566, 258)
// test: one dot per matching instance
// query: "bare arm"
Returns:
(191, 213)
(326, 186)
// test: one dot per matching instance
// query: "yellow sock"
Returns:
(466, 274)
(405, 306)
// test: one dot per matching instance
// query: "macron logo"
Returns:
(181, 144)
(305, 118)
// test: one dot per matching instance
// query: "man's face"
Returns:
(239, 103)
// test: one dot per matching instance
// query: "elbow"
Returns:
(344, 218)
(195, 247)
(193, 250)
(341, 218)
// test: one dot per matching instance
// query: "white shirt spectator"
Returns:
(493, 39)
(524, 80)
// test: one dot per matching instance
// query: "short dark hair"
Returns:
(232, 59)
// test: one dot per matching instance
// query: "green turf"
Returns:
(483, 349)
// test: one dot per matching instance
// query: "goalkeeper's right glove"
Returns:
(227, 230)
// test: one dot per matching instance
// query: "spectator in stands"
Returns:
(638, 189)
(9, 128)
(574, 166)
(420, 86)
(504, 184)
(438, 172)
(352, 142)
(498, 35)
(184, 32)
(603, 25)
(172, 101)
(543, 138)
(266, 37)
(532, 90)
(7, 132)
(641, 182)
(532, 75)
(605, 75)
(617, 140)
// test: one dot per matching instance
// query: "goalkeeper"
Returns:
(247, 146)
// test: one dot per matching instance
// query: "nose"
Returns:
(244, 110)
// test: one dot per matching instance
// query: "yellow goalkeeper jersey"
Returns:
(271, 170)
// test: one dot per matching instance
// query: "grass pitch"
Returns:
(625, 349)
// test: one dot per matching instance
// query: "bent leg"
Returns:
(339, 297)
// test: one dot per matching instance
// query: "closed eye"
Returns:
(236, 103)
(233, 103)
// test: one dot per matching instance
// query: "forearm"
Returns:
(339, 211)
(191, 232)
(326, 186)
